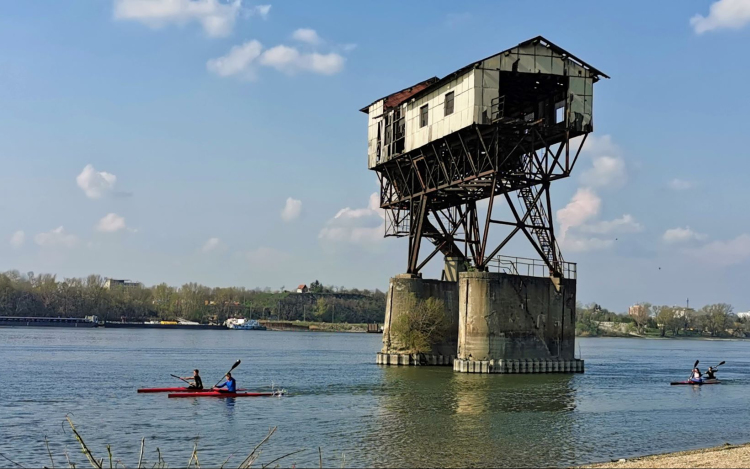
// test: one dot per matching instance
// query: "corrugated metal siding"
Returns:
(440, 125)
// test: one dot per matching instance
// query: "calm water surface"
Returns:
(358, 413)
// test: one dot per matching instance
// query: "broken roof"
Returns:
(394, 99)
(426, 86)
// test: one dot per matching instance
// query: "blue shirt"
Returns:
(231, 385)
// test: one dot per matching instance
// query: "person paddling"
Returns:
(696, 377)
(198, 382)
(711, 373)
(228, 383)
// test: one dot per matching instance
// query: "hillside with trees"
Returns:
(47, 296)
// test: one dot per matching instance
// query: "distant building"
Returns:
(744, 315)
(635, 310)
(302, 288)
(111, 283)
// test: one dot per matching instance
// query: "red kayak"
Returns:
(183, 389)
(227, 394)
(692, 383)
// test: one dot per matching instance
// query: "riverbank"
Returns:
(305, 326)
(720, 456)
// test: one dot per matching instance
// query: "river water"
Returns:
(359, 414)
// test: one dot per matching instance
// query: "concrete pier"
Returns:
(516, 324)
(399, 291)
(530, 365)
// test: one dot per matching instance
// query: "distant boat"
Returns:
(245, 324)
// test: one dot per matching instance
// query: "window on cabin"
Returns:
(560, 112)
(423, 116)
(448, 104)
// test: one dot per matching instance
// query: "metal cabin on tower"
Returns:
(502, 128)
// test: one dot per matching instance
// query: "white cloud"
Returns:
(356, 226)
(680, 235)
(243, 60)
(291, 210)
(261, 10)
(680, 184)
(95, 183)
(607, 171)
(264, 257)
(597, 145)
(211, 245)
(608, 168)
(307, 35)
(237, 61)
(290, 60)
(56, 237)
(729, 14)
(584, 205)
(724, 253)
(624, 224)
(110, 223)
(216, 17)
(17, 240)
(576, 244)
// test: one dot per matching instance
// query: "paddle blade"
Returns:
(696, 363)
(236, 364)
(721, 363)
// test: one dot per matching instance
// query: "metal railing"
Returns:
(528, 267)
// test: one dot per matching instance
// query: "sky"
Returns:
(220, 142)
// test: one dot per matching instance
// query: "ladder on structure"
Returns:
(539, 220)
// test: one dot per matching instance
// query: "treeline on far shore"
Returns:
(45, 295)
(645, 319)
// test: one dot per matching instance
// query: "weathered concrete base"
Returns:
(414, 359)
(529, 365)
(402, 289)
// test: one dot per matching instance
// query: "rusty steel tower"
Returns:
(503, 128)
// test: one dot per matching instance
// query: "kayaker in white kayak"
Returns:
(198, 382)
(696, 377)
(228, 383)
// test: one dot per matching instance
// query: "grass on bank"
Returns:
(194, 462)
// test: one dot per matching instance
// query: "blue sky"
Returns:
(224, 138)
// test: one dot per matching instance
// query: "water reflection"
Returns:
(435, 417)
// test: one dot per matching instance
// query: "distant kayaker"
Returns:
(198, 382)
(696, 376)
(228, 383)
(710, 373)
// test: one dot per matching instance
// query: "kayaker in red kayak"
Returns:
(696, 377)
(228, 383)
(710, 373)
(198, 384)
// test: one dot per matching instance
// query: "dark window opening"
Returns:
(448, 104)
(423, 116)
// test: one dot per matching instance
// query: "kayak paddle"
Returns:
(175, 376)
(720, 364)
(236, 364)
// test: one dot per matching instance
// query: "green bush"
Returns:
(422, 325)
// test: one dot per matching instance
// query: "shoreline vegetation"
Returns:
(715, 321)
(44, 295)
(725, 456)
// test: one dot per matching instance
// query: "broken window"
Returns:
(559, 112)
(423, 116)
(448, 104)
